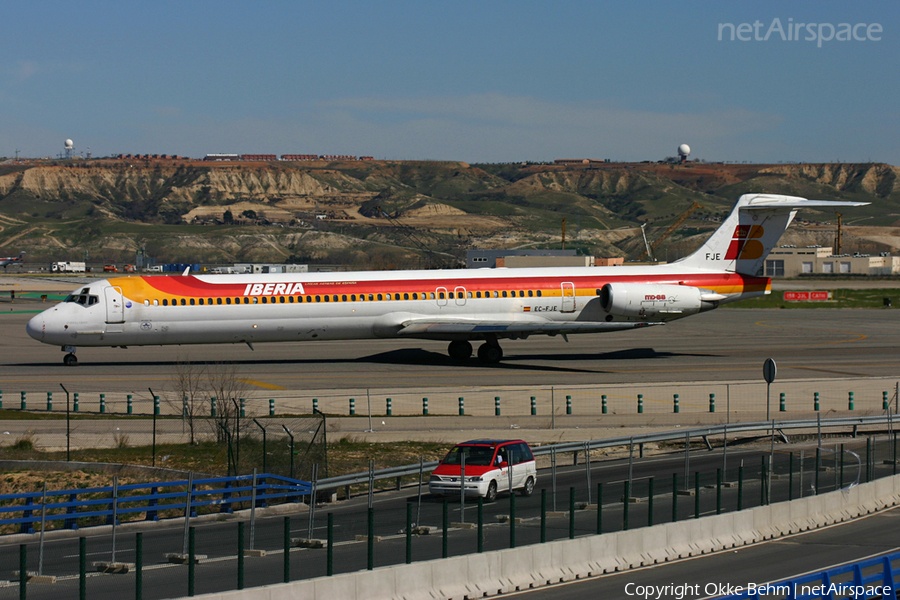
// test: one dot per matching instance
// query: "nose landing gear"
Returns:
(70, 360)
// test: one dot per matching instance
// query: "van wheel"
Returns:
(491, 494)
(528, 488)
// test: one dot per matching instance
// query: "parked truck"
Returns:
(67, 267)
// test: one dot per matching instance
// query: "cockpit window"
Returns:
(84, 298)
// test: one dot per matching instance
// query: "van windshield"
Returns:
(478, 456)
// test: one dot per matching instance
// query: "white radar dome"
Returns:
(684, 150)
(70, 144)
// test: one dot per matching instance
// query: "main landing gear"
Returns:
(489, 352)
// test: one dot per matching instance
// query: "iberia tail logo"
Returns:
(745, 243)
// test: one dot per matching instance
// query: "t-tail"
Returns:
(753, 228)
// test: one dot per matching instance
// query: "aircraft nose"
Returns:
(35, 327)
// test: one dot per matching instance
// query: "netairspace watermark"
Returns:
(795, 32)
(679, 591)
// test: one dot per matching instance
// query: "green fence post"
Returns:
(408, 532)
(82, 569)
(75, 402)
(674, 497)
(271, 407)
(816, 401)
(480, 531)
(243, 408)
(884, 401)
(850, 401)
(603, 404)
(352, 406)
(791, 477)
(675, 407)
(184, 406)
(129, 403)
(599, 508)
(445, 526)
(696, 494)
(533, 406)
(462, 406)
(712, 403)
(424, 406)
(315, 403)
(543, 516)
(512, 520)
(1, 398)
(496, 406)
(155, 406)
(240, 556)
(569, 404)
(286, 545)
(781, 403)
(719, 491)
(640, 404)
(370, 540)
(192, 547)
(22, 401)
(212, 407)
(389, 409)
(329, 554)
(103, 403)
(49, 401)
(138, 565)
(819, 466)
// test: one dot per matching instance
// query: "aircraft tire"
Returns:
(459, 350)
(70, 360)
(490, 353)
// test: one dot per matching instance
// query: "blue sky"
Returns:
(473, 81)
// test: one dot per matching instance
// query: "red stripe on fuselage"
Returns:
(190, 286)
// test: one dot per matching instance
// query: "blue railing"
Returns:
(869, 578)
(102, 503)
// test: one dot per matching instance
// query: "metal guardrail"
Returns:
(109, 502)
(867, 578)
(333, 483)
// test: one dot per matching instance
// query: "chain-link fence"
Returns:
(217, 555)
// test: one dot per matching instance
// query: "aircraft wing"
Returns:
(414, 327)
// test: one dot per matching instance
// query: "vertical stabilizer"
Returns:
(753, 228)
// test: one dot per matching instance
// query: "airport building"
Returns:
(790, 261)
(488, 259)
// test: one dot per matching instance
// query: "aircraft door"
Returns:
(460, 295)
(115, 306)
(568, 297)
(441, 296)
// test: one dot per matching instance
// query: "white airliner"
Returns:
(13, 260)
(459, 306)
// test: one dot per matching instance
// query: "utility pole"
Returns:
(837, 242)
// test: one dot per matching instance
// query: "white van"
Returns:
(491, 466)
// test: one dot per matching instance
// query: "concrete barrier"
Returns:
(493, 573)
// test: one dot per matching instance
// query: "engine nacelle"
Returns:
(659, 302)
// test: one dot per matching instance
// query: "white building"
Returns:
(790, 261)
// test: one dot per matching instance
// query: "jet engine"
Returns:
(659, 302)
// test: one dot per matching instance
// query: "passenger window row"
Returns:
(341, 298)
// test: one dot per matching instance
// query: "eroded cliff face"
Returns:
(311, 211)
(876, 179)
(182, 184)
